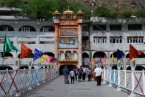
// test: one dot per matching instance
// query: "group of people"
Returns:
(79, 74)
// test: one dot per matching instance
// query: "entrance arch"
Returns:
(70, 67)
(49, 54)
(99, 54)
(85, 58)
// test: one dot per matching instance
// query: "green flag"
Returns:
(8, 46)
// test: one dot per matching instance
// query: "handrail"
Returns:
(14, 82)
(133, 81)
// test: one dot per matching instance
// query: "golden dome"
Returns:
(80, 12)
(68, 12)
(56, 12)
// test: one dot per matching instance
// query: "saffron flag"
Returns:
(94, 61)
(133, 52)
(37, 54)
(8, 46)
(120, 54)
(25, 51)
(112, 59)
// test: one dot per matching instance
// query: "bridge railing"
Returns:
(134, 81)
(14, 82)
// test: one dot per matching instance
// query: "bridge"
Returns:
(46, 82)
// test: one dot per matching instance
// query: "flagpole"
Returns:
(109, 70)
(2, 57)
(124, 65)
(17, 62)
(124, 60)
(3, 60)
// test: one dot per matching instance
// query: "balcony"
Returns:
(115, 46)
(41, 47)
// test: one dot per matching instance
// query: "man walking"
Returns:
(98, 72)
(66, 73)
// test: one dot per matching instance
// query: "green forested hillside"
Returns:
(103, 8)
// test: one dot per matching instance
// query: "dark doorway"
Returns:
(70, 67)
(114, 67)
(139, 68)
(24, 67)
(5, 67)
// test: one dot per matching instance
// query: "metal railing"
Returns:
(133, 81)
(14, 82)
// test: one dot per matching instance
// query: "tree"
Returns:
(76, 6)
(102, 12)
(126, 13)
(140, 13)
(40, 9)
(62, 5)
(43, 9)
(12, 3)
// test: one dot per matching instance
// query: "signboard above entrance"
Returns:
(68, 42)
(68, 32)
(68, 22)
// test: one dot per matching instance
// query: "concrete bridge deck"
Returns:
(57, 88)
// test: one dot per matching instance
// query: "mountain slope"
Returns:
(114, 4)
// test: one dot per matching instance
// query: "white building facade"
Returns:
(101, 37)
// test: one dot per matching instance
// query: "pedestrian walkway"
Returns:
(57, 88)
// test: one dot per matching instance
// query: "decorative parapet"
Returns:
(117, 20)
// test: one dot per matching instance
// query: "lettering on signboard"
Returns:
(68, 32)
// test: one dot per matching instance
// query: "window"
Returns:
(46, 42)
(2, 40)
(116, 27)
(27, 28)
(32, 42)
(100, 40)
(134, 27)
(135, 39)
(99, 27)
(6, 28)
(115, 39)
(47, 28)
(26, 40)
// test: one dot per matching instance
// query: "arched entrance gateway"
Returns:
(68, 39)
(70, 67)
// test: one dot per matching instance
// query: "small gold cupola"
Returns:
(80, 14)
(68, 14)
(56, 14)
